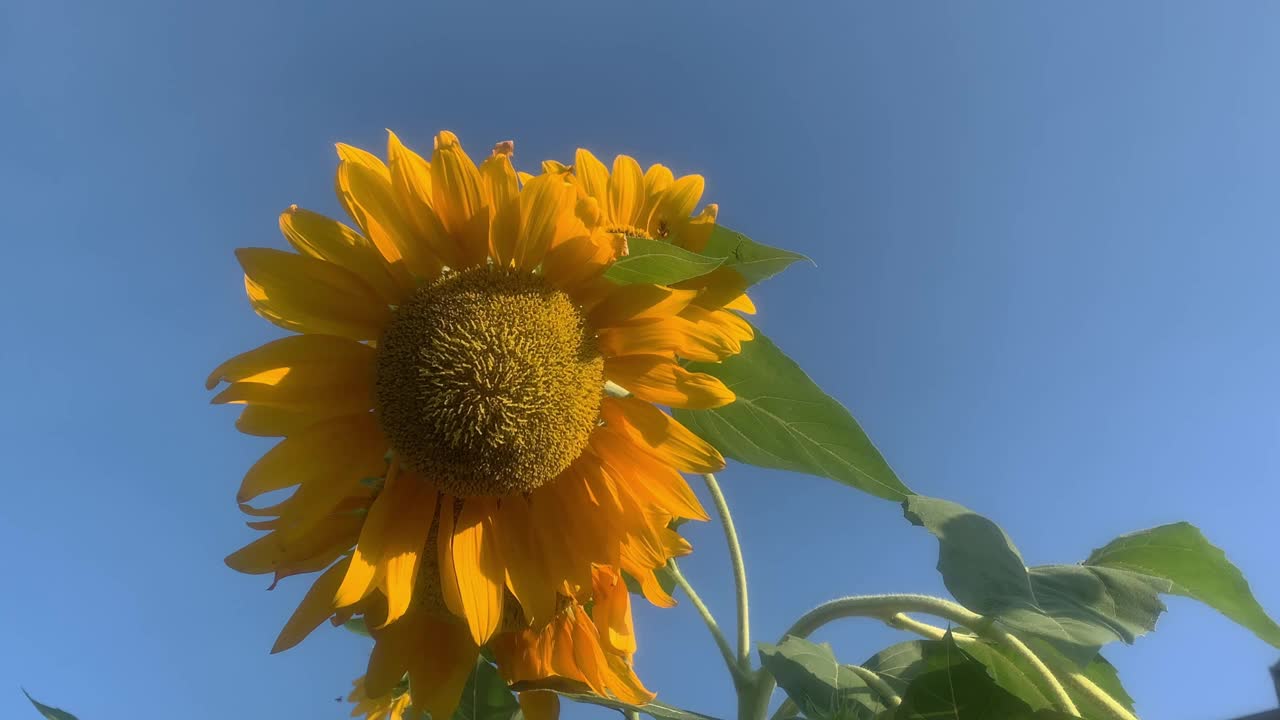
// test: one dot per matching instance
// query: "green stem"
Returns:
(1099, 696)
(716, 633)
(878, 684)
(886, 608)
(739, 572)
(788, 709)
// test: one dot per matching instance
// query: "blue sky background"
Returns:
(1046, 237)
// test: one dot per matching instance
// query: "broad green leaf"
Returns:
(754, 261)
(1187, 564)
(819, 685)
(659, 263)
(50, 713)
(781, 419)
(486, 696)
(899, 664)
(952, 684)
(1075, 607)
(657, 710)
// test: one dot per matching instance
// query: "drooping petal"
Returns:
(406, 541)
(306, 294)
(478, 568)
(438, 671)
(266, 421)
(289, 550)
(444, 557)
(650, 478)
(526, 573)
(314, 609)
(659, 379)
(368, 555)
(661, 435)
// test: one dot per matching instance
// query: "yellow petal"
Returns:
(639, 303)
(369, 199)
(695, 234)
(742, 304)
(406, 541)
(411, 185)
(626, 191)
(359, 579)
(502, 191)
(624, 683)
(661, 434)
(587, 654)
(444, 557)
(526, 574)
(458, 196)
(321, 374)
(306, 294)
(650, 478)
(593, 175)
(439, 670)
(546, 218)
(393, 649)
(314, 609)
(539, 705)
(328, 452)
(675, 204)
(478, 568)
(656, 180)
(611, 612)
(288, 549)
(332, 473)
(320, 237)
(660, 380)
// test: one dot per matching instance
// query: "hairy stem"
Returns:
(1099, 696)
(878, 684)
(739, 572)
(716, 633)
(889, 609)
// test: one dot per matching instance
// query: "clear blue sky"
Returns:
(1047, 243)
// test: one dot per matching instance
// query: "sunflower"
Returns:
(469, 412)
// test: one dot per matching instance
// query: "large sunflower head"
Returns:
(471, 436)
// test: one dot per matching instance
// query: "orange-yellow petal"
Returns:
(659, 379)
(526, 573)
(650, 478)
(629, 304)
(365, 192)
(320, 374)
(321, 237)
(546, 218)
(458, 197)
(502, 193)
(412, 187)
(406, 541)
(477, 565)
(314, 609)
(626, 191)
(334, 452)
(661, 435)
(438, 671)
(306, 294)
(593, 176)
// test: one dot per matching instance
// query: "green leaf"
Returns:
(657, 710)
(486, 696)
(51, 713)
(952, 684)
(781, 419)
(659, 262)
(754, 261)
(1187, 564)
(818, 684)
(1077, 608)
(899, 664)
(357, 625)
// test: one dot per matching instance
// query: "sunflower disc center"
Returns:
(488, 382)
